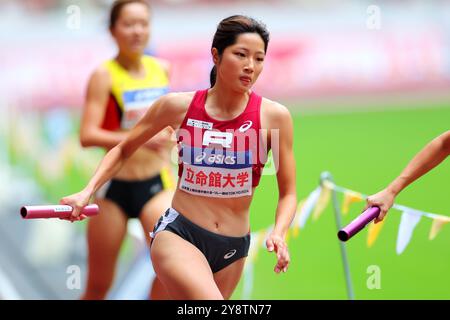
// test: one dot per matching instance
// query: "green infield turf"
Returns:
(364, 151)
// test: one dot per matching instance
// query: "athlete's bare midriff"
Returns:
(143, 164)
(226, 216)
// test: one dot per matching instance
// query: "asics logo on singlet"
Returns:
(230, 254)
(200, 157)
(245, 126)
(215, 158)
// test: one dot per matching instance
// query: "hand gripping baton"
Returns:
(55, 211)
(358, 224)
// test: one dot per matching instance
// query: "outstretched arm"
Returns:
(282, 149)
(167, 111)
(428, 158)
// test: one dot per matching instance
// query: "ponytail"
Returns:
(212, 76)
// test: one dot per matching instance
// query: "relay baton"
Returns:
(55, 211)
(358, 224)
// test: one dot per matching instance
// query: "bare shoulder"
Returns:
(100, 77)
(178, 101)
(164, 63)
(274, 113)
(446, 136)
(446, 140)
(172, 107)
(443, 138)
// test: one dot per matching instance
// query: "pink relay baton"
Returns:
(55, 211)
(358, 224)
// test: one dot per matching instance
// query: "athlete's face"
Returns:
(132, 28)
(242, 62)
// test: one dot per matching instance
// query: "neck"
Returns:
(130, 63)
(226, 101)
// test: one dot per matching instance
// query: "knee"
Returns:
(226, 295)
(158, 291)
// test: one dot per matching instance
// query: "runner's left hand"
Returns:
(276, 243)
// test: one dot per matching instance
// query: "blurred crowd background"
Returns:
(324, 57)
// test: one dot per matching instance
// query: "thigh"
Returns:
(153, 210)
(149, 216)
(228, 278)
(182, 268)
(105, 233)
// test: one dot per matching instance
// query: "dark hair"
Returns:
(229, 29)
(116, 8)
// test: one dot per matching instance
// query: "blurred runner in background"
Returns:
(118, 94)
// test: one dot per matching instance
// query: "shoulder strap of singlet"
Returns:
(115, 70)
(196, 104)
(255, 102)
(151, 65)
(199, 99)
(154, 68)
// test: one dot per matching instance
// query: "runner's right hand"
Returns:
(77, 201)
